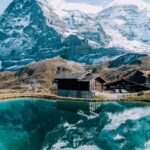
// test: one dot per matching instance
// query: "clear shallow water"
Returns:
(45, 125)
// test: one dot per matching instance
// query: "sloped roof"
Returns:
(123, 79)
(71, 75)
(85, 76)
(144, 73)
(91, 77)
(135, 72)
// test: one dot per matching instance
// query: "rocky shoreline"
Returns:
(45, 96)
(48, 96)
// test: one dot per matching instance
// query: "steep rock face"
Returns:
(25, 34)
(127, 59)
(85, 26)
(52, 19)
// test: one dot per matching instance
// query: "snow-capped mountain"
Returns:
(128, 23)
(31, 30)
(85, 26)
(24, 34)
(119, 23)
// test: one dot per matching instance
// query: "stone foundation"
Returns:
(74, 93)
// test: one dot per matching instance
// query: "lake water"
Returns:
(57, 125)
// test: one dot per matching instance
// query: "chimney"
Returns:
(117, 76)
(93, 70)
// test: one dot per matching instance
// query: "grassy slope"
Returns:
(145, 97)
(14, 84)
(43, 72)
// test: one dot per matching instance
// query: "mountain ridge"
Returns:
(134, 37)
(38, 33)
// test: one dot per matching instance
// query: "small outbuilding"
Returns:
(79, 85)
(125, 86)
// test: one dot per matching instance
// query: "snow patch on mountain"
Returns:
(52, 18)
(120, 41)
(86, 27)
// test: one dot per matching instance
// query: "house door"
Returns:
(98, 88)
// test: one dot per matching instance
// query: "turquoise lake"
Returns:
(30, 124)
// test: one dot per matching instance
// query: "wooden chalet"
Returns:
(125, 86)
(141, 77)
(80, 85)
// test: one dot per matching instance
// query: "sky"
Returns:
(5, 3)
(94, 2)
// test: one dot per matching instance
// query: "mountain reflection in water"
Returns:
(58, 125)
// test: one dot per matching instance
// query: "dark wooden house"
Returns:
(125, 86)
(81, 85)
(141, 77)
